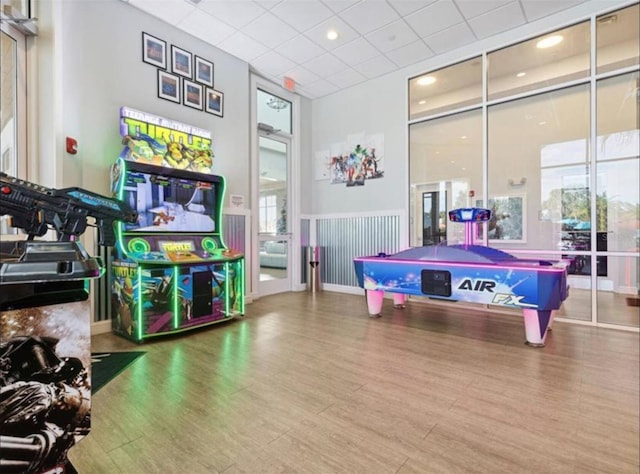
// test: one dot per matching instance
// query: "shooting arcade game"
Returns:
(45, 323)
(471, 273)
(171, 270)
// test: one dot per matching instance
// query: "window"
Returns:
(268, 210)
(449, 88)
(550, 59)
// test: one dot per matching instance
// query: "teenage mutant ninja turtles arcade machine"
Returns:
(171, 271)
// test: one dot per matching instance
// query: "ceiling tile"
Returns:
(302, 15)
(375, 67)
(243, 47)
(268, 4)
(404, 7)
(534, 9)
(473, 8)
(497, 21)
(270, 30)
(168, 11)
(300, 49)
(302, 76)
(392, 36)
(451, 38)
(339, 5)
(206, 27)
(325, 65)
(369, 15)
(410, 54)
(272, 64)
(347, 78)
(319, 33)
(356, 52)
(236, 13)
(321, 88)
(436, 17)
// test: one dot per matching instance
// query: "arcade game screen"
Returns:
(170, 204)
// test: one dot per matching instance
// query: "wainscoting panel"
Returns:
(343, 238)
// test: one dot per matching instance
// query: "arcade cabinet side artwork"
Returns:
(171, 271)
(45, 325)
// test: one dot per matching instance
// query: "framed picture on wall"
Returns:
(508, 219)
(181, 62)
(214, 102)
(168, 86)
(154, 51)
(192, 94)
(204, 71)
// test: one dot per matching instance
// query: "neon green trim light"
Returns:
(139, 308)
(176, 299)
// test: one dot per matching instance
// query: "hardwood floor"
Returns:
(308, 383)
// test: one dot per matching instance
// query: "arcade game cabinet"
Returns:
(171, 270)
(45, 339)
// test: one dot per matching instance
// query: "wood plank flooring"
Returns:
(308, 383)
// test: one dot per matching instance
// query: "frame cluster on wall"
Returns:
(189, 80)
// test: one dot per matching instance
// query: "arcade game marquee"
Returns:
(471, 273)
(45, 323)
(171, 270)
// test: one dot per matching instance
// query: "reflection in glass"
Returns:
(578, 303)
(538, 148)
(618, 39)
(274, 111)
(446, 89)
(273, 259)
(539, 62)
(8, 131)
(618, 297)
(618, 161)
(445, 169)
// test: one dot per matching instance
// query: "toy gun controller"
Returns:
(34, 208)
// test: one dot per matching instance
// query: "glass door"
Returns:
(274, 235)
(13, 138)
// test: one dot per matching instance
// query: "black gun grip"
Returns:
(106, 234)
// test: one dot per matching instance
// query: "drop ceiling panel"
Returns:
(232, 12)
(392, 36)
(375, 37)
(302, 15)
(369, 15)
(498, 20)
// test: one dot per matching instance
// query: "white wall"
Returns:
(90, 64)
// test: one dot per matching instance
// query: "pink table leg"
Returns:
(536, 325)
(398, 300)
(374, 302)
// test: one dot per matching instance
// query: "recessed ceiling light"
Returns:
(521, 74)
(549, 41)
(542, 123)
(464, 137)
(422, 102)
(426, 80)
(332, 35)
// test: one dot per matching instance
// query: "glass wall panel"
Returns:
(618, 162)
(578, 303)
(550, 59)
(445, 169)
(618, 39)
(618, 297)
(274, 111)
(538, 163)
(446, 89)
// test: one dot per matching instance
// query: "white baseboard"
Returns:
(100, 327)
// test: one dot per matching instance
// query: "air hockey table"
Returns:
(470, 273)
